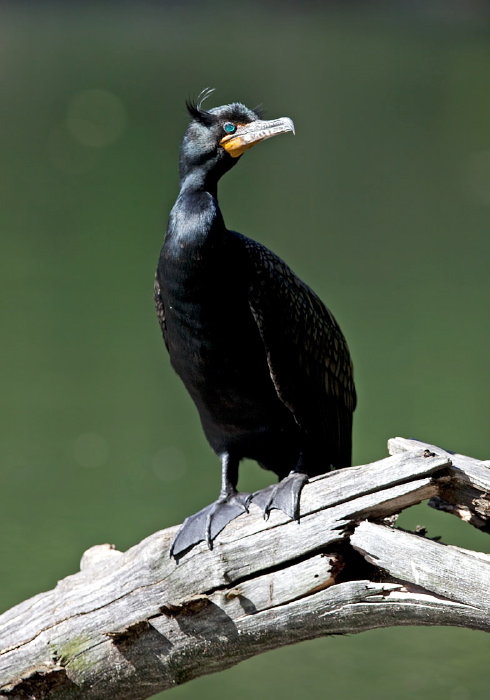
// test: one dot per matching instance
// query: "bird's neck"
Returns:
(195, 221)
(200, 179)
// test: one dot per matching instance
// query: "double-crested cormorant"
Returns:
(261, 356)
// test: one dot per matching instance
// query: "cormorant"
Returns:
(261, 356)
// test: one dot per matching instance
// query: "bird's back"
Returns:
(307, 355)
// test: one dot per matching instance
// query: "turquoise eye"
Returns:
(229, 128)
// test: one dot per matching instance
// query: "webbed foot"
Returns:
(209, 522)
(285, 495)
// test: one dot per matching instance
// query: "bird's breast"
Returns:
(213, 341)
(210, 327)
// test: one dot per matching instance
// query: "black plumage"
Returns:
(261, 356)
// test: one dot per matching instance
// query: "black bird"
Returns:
(263, 359)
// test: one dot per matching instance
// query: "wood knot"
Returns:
(98, 553)
(191, 606)
(129, 633)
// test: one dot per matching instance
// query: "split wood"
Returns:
(132, 624)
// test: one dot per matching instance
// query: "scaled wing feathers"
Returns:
(160, 310)
(308, 358)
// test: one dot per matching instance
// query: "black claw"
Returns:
(262, 498)
(208, 522)
(284, 496)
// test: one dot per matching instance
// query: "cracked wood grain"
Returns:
(468, 494)
(131, 624)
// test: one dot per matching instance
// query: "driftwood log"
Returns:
(129, 625)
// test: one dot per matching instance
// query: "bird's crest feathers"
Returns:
(194, 107)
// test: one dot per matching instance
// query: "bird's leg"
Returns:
(230, 503)
(285, 495)
(209, 521)
(229, 475)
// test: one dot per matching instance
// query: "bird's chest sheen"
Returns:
(213, 341)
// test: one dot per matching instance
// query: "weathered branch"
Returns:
(130, 625)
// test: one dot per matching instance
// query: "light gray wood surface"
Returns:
(129, 625)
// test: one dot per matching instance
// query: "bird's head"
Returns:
(216, 138)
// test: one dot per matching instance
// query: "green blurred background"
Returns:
(381, 202)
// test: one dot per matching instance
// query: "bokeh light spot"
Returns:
(96, 118)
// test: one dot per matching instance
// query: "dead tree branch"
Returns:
(130, 625)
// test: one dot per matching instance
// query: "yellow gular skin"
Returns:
(234, 144)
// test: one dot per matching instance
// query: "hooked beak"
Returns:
(247, 135)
